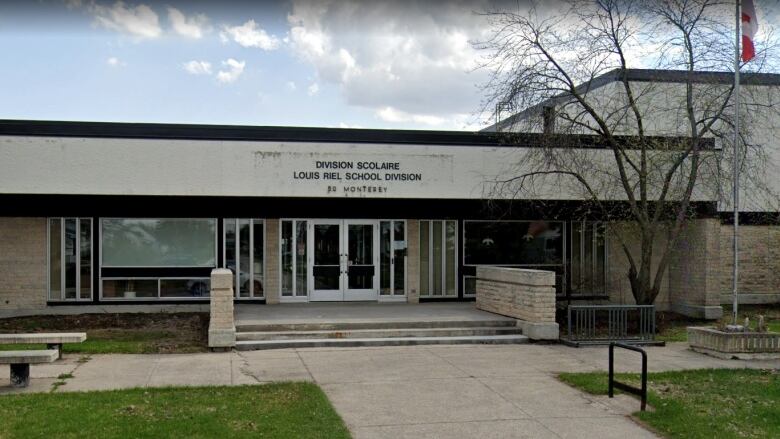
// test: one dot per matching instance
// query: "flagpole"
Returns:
(735, 163)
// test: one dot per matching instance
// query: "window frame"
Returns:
(584, 224)
(444, 259)
(63, 270)
(237, 274)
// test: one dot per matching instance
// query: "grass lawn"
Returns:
(709, 403)
(136, 341)
(285, 410)
(118, 333)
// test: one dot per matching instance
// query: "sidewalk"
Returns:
(419, 391)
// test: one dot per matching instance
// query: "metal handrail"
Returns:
(641, 392)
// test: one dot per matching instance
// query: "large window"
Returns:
(588, 258)
(245, 255)
(295, 279)
(159, 242)
(70, 258)
(438, 258)
(527, 244)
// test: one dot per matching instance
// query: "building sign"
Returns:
(348, 177)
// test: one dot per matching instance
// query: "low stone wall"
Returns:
(222, 328)
(742, 345)
(527, 295)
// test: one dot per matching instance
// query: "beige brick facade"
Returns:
(526, 295)
(272, 285)
(759, 263)
(23, 263)
(413, 261)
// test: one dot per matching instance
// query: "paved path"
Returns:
(422, 392)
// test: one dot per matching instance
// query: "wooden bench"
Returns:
(20, 363)
(51, 340)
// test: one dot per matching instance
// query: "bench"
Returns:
(20, 363)
(51, 340)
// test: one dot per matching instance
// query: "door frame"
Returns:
(371, 294)
(325, 295)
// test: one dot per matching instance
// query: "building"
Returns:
(118, 213)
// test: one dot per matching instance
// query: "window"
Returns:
(294, 259)
(588, 258)
(527, 244)
(438, 260)
(392, 259)
(244, 254)
(138, 288)
(70, 258)
(160, 242)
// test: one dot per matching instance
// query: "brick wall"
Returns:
(523, 294)
(413, 261)
(23, 263)
(759, 263)
(694, 270)
(272, 279)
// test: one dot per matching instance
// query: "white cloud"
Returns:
(191, 27)
(390, 114)
(140, 21)
(411, 63)
(232, 69)
(115, 62)
(313, 89)
(346, 125)
(291, 85)
(250, 34)
(197, 67)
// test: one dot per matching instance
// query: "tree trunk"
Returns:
(642, 287)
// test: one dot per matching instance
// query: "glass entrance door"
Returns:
(344, 260)
(327, 272)
(361, 244)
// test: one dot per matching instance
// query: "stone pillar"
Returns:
(694, 270)
(272, 288)
(527, 295)
(413, 261)
(222, 328)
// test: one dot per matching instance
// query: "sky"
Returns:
(341, 63)
(404, 64)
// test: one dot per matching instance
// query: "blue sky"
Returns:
(308, 63)
(334, 63)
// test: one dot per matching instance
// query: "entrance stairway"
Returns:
(382, 333)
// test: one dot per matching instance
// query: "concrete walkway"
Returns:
(419, 391)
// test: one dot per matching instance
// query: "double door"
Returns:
(344, 260)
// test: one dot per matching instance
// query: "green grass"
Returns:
(711, 403)
(287, 410)
(133, 341)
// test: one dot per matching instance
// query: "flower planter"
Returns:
(734, 345)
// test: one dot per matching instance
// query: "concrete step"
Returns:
(378, 333)
(250, 345)
(368, 324)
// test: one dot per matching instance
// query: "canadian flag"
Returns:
(749, 28)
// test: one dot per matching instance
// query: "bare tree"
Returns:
(659, 154)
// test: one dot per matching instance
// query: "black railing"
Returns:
(639, 391)
(602, 324)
